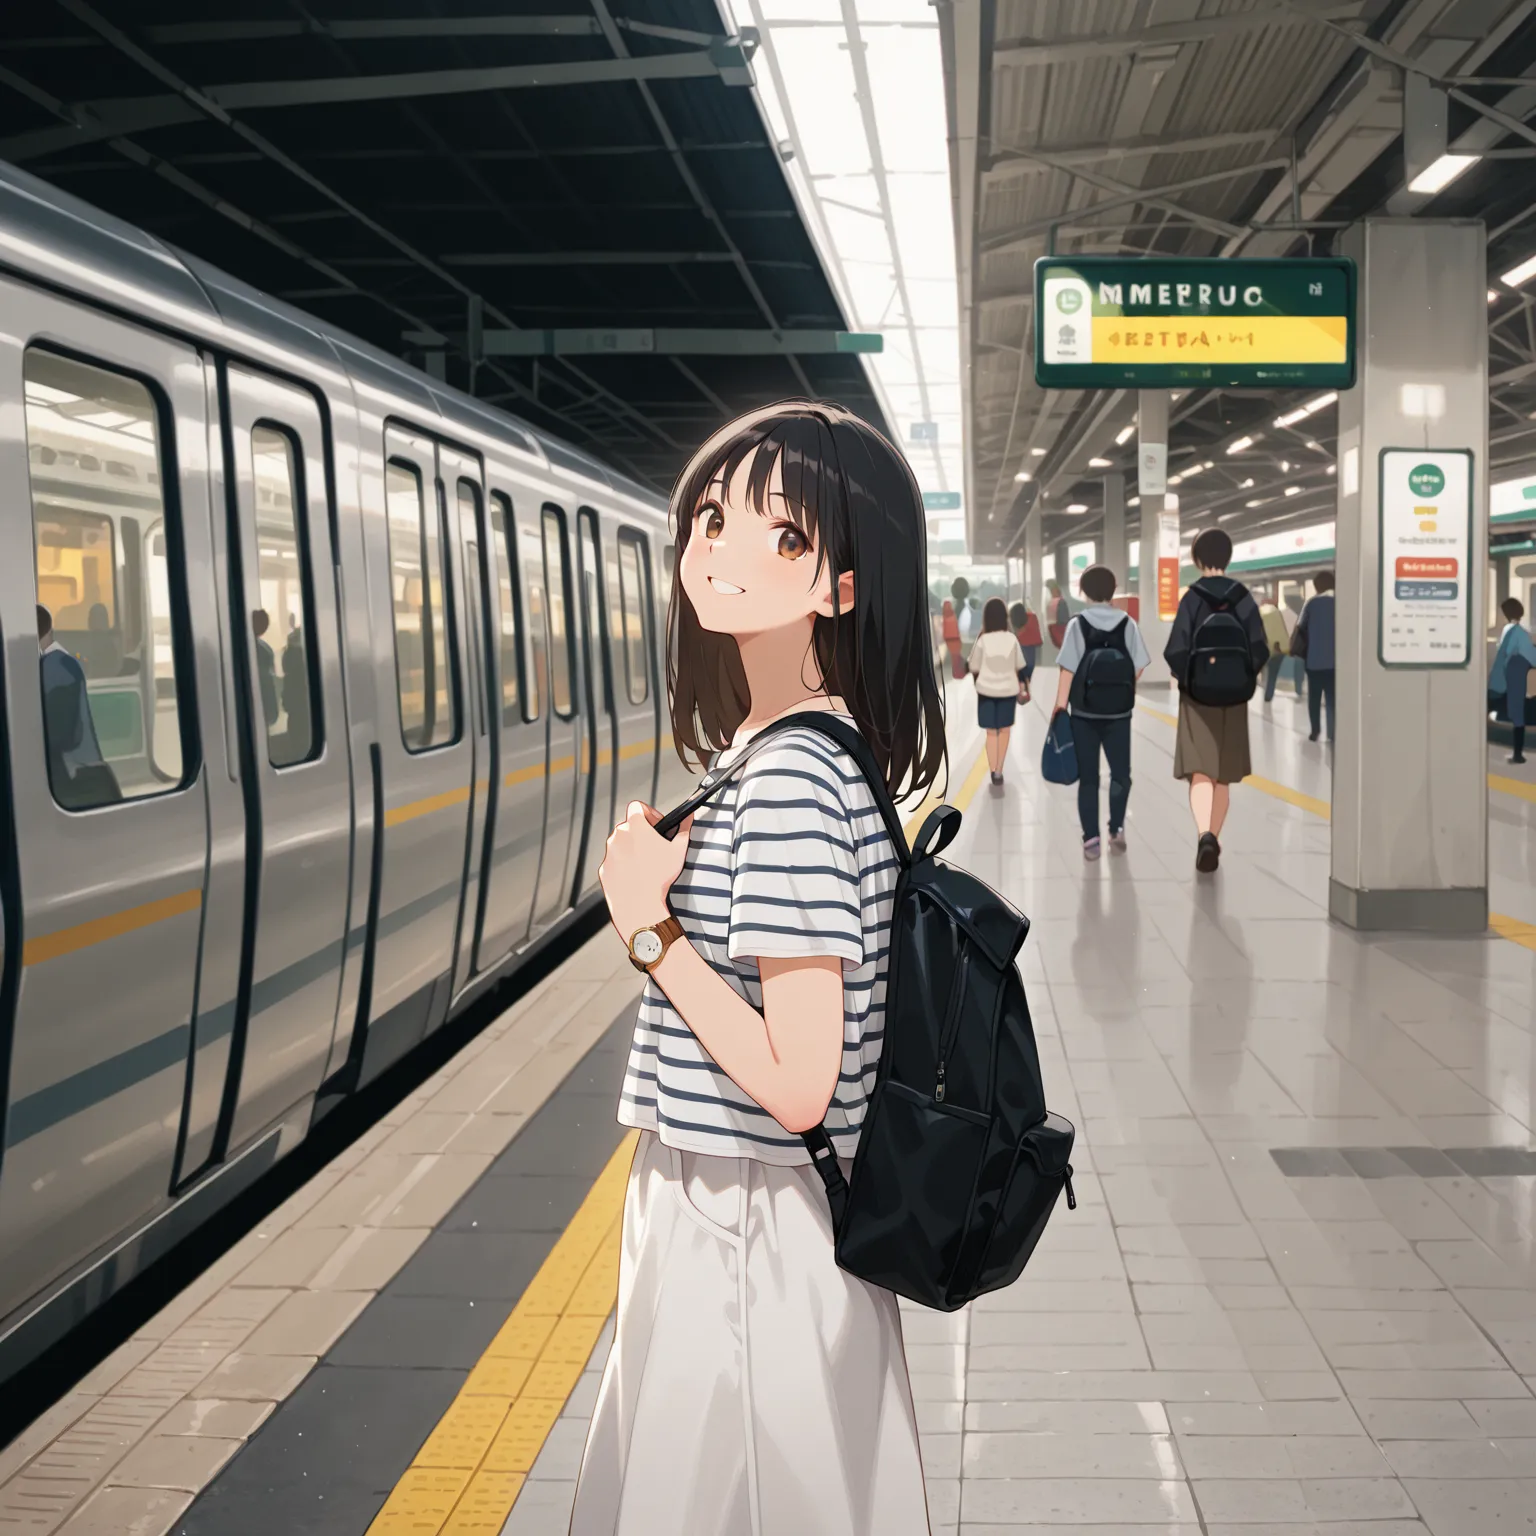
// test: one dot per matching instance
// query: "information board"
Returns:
(1167, 566)
(1426, 548)
(1153, 322)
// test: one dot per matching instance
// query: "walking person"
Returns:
(754, 1387)
(1057, 612)
(1216, 650)
(1026, 625)
(952, 639)
(1102, 658)
(1313, 642)
(1512, 664)
(997, 665)
(1279, 638)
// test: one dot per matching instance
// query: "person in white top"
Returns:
(755, 1388)
(997, 665)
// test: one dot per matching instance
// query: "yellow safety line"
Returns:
(961, 801)
(1511, 928)
(1158, 714)
(65, 941)
(467, 1476)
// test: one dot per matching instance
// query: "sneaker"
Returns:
(1091, 848)
(1208, 854)
(1117, 841)
(1520, 758)
(997, 778)
(1313, 736)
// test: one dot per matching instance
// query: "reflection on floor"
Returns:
(1299, 1293)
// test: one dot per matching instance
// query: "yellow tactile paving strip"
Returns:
(1506, 927)
(468, 1474)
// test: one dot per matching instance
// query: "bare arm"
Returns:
(1063, 688)
(787, 1058)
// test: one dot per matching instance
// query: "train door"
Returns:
(464, 487)
(298, 779)
(598, 759)
(564, 782)
(104, 480)
(635, 690)
(519, 696)
(425, 756)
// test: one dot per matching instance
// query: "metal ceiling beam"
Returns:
(1013, 160)
(1028, 51)
(1022, 234)
(662, 341)
(393, 27)
(592, 258)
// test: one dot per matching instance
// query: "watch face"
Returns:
(646, 946)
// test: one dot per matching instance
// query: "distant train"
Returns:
(323, 684)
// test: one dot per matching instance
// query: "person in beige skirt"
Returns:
(1211, 749)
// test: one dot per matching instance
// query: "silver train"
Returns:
(323, 684)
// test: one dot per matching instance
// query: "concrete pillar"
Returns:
(1112, 544)
(1034, 589)
(1410, 781)
(1152, 473)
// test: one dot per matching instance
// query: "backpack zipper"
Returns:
(952, 1022)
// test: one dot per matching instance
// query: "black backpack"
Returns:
(1105, 680)
(959, 1163)
(1221, 670)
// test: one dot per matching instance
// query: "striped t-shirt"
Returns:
(790, 860)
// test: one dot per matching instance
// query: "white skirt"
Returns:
(754, 1388)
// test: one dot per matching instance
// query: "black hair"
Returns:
(994, 616)
(1323, 581)
(854, 496)
(1098, 584)
(1512, 609)
(1018, 615)
(1212, 551)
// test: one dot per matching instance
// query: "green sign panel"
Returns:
(1150, 322)
(1426, 480)
(941, 501)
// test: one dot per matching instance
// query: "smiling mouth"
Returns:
(725, 587)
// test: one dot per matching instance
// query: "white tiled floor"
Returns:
(1208, 1345)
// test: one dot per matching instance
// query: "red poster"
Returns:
(1167, 588)
(1418, 566)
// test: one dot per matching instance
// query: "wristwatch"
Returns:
(648, 945)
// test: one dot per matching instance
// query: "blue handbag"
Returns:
(1058, 763)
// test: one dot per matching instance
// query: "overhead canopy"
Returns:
(436, 175)
(1212, 128)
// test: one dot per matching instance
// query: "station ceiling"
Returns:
(426, 172)
(1210, 128)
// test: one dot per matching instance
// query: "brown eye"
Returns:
(711, 521)
(792, 543)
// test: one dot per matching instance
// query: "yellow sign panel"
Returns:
(1221, 339)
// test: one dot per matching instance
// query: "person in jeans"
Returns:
(997, 664)
(1512, 664)
(1279, 638)
(1026, 625)
(1211, 749)
(1096, 724)
(1313, 642)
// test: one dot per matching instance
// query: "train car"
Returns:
(323, 685)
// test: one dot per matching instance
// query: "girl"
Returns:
(997, 664)
(952, 638)
(754, 1388)
(1026, 625)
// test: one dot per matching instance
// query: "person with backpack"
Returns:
(1216, 650)
(1313, 643)
(1026, 627)
(997, 665)
(1102, 658)
(1512, 663)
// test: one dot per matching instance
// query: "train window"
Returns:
(538, 642)
(502, 533)
(112, 719)
(632, 605)
(285, 677)
(557, 592)
(423, 667)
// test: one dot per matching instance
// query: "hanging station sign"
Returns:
(1150, 322)
(1426, 549)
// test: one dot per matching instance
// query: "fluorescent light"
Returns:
(1285, 467)
(1312, 407)
(1313, 444)
(1039, 453)
(1293, 490)
(1178, 394)
(1246, 483)
(1493, 296)
(1333, 469)
(1175, 479)
(1100, 464)
(1135, 501)
(1517, 275)
(1441, 173)
(1240, 445)
(1021, 477)
(1077, 506)
(1257, 502)
(1125, 434)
